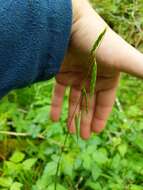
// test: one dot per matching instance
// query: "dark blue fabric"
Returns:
(34, 36)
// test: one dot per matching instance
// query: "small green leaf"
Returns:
(93, 185)
(122, 149)
(5, 182)
(136, 187)
(59, 187)
(116, 162)
(139, 141)
(87, 162)
(67, 165)
(96, 172)
(16, 186)
(50, 169)
(99, 157)
(11, 168)
(17, 157)
(27, 164)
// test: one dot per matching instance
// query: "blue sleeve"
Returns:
(34, 36)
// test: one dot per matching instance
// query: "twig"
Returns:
(78, 183)
(22, 110)
(119, 106)
(16, 134)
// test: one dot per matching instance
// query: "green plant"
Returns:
(109, 161)
(93, 70)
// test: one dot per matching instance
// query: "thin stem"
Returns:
(59, 161)
(91, 61)
(119, 106)
(40, 136)
(16, 134)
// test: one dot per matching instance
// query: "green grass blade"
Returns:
(93, 79)
(94, 65)
(77, 125)
(98, 41)
(84, 95)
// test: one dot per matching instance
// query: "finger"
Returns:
(87, 110)
(103, 106)
(57, 101)
(74, 104)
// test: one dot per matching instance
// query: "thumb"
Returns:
(113, 51)
(116, 52)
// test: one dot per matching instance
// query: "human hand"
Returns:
(113, 56)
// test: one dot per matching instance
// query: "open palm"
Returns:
(99, 106)
(113, 55)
